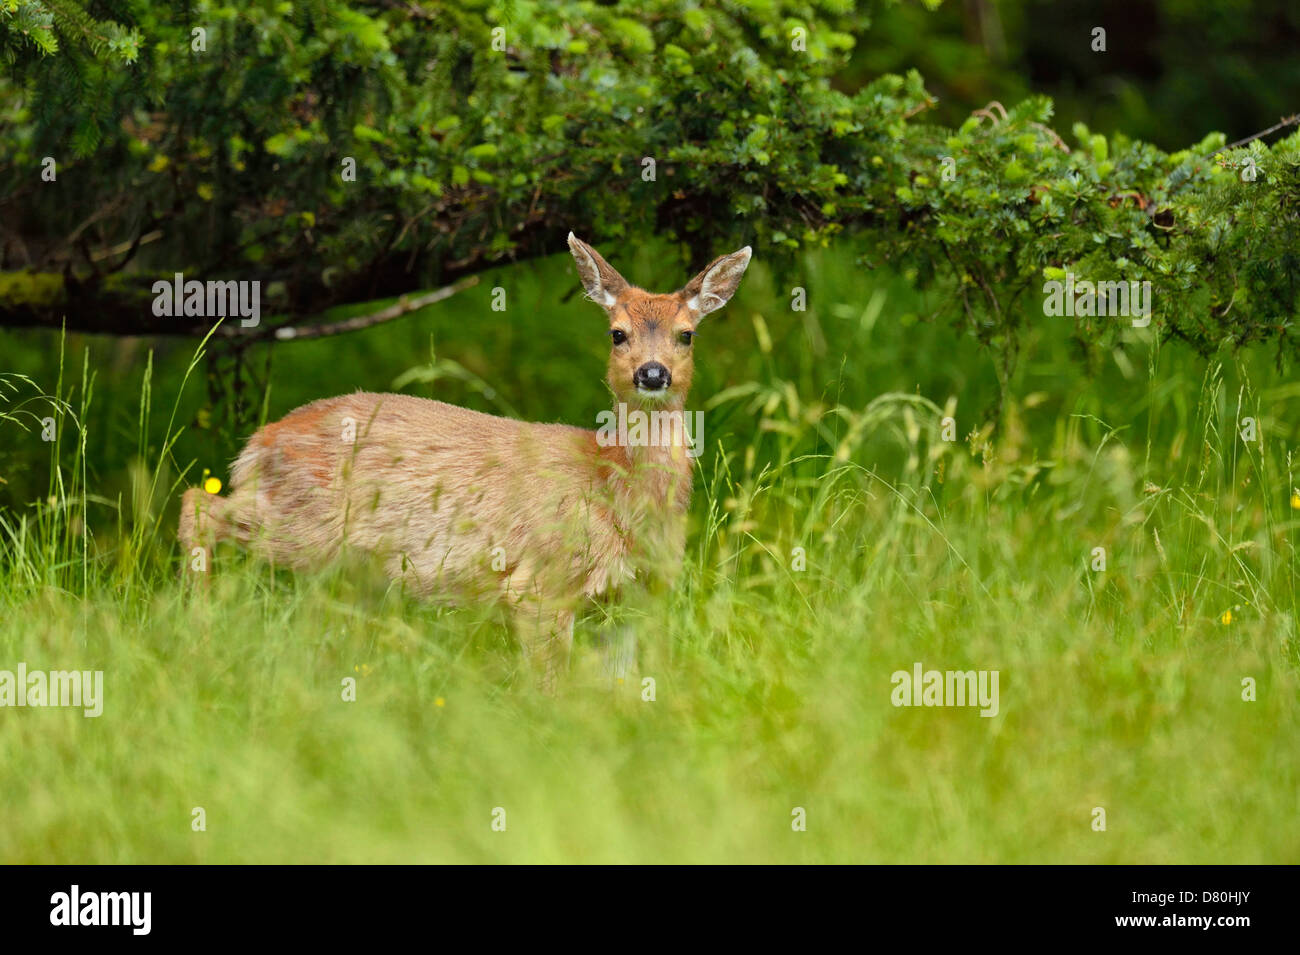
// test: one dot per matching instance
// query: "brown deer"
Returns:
(461, 504)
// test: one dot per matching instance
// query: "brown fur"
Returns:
(440, 493)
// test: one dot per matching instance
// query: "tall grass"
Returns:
(836, 538)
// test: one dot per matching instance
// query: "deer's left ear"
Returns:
(713, 288)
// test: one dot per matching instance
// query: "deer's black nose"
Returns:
(652, 376)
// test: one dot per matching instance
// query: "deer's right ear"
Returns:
(599, 278)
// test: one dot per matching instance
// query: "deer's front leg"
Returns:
(617, 643)
(546, 635)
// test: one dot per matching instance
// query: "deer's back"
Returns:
(452, 497)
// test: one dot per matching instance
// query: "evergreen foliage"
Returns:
(216, 137)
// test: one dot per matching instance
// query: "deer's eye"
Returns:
(618, 335)
(686, 337)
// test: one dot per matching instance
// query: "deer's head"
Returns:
(652, 335)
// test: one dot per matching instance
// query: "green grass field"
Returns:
(1119, 688)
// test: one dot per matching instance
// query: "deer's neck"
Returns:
(647, 468)
(654, 446)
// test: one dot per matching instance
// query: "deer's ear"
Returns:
(713, 288)
(599, 278)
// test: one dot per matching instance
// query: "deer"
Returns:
(459, 504)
